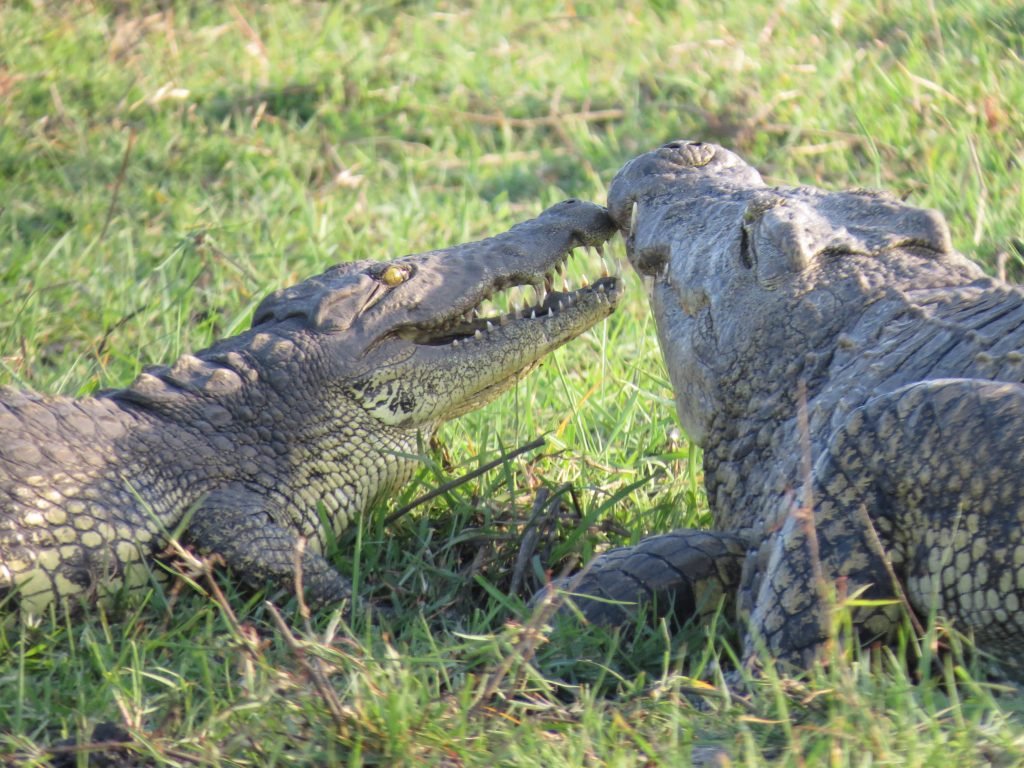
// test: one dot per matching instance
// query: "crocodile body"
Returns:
(286, 432)
(856, 385)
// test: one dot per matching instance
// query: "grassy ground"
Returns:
(164, 165)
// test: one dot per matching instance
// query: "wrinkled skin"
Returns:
(269, 443)
(856, 386)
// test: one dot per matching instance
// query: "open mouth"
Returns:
(524, 299)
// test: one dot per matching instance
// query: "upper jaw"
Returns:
(503, 307)
(460, 293)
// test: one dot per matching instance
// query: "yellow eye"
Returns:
(394, 275)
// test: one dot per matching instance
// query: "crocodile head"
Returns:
(410, 341)
(752, 286)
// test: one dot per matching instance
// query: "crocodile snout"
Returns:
(679, 170)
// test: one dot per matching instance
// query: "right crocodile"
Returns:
(856, 385)
(264, 446)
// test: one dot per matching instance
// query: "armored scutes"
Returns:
(856, 385)
(287, 431)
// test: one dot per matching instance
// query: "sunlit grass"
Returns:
(164, 166)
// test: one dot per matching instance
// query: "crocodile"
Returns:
(856, 387)
(263, 447)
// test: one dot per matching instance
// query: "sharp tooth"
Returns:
(478, 335)
(632, 220)
(533, 314)
(549, 282)
(490, 326)
(561, 305)
(599, 287)
(604, 264)
(584, 282)
(455, 342)
(551, 312)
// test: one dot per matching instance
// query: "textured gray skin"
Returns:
(285, 432)
(856, 386)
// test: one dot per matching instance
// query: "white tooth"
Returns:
(632, 219)
(561, 305)
(455, 342)
(649, 284)
(478, 335)
(490, 326)
(533, 314)
(600, 287)
(551, 312)
(584, 282)
(604, 264)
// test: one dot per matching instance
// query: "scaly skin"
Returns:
(287, 431)
(856, 385)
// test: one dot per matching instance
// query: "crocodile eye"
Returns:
(394, 275)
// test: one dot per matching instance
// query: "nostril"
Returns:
(689, 154)
(683, 144)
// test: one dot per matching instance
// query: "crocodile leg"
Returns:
(920, 485)
(687, 573)
(234, 523)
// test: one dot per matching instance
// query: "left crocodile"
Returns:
(286, 432)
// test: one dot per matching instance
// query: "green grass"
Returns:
(165, 165)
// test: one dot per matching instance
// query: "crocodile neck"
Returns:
(945, 326)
